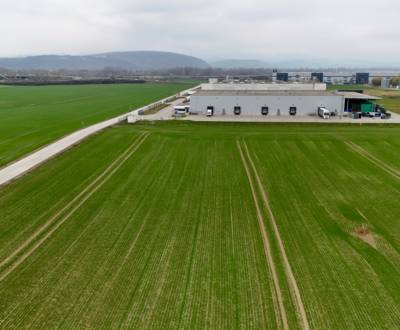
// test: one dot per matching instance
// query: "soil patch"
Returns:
(366, 235)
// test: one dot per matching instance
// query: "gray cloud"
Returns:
(333, 30)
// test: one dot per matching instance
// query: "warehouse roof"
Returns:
(358, 96)
(264, 93)
(264, 87)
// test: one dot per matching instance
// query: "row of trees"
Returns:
(395, 81)
(115, 72)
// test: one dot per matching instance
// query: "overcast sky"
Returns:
(333, 30)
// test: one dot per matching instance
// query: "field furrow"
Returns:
(288, 269)
(328, 259)
(382, 165)
(280, 307)
(207, 226)
(147, 250)
(52, 224)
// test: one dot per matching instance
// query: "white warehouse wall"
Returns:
(251, 105)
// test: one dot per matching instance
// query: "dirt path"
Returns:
(288, 269)
(382, 165)
(280, 310)
(81, 198)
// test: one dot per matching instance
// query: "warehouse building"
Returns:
(272, 100)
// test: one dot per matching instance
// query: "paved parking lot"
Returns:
(295, 119)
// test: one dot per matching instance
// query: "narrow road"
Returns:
(29, 162)
(163, 114)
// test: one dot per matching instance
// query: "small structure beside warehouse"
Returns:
(358, 102)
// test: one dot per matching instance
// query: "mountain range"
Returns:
(159, 60)
(136, 61)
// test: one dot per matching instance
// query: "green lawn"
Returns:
(31, 117)
(168, 236)
(390, 97)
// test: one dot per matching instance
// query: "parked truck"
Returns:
(324, 113)
(181, 110)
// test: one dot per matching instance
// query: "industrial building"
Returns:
(362, 78)
(274, 100)
(317, 76)
(282, 76)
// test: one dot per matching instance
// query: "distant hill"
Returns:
(240, 64)
(137, 61)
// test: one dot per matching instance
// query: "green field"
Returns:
(177, 225)
(390, 97)
(31, 117)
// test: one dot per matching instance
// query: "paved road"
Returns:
(296, 119)
(23, 165)
(164, 114)
(40, 156)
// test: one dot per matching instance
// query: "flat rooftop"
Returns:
(264, 87)
(357, 96)
(264, 93)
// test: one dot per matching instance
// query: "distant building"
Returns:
(362, 78)
(385, 82)
(317, 76)
(282, 76)
(339, 79)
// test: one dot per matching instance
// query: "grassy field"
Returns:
(390, 97)
(201, 226)
(31, 117)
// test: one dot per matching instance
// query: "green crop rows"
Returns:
(31, 117)
(169, 226)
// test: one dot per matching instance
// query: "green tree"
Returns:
(376, 82)
(395, 81)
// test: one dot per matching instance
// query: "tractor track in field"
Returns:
(81, 198)
(280, 310)
(288, 269)
(367, 155)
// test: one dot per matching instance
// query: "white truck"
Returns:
(324, 113)
(181, 110)
(210, 111)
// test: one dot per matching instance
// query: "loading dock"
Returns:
(264, 103)
(358, 102)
